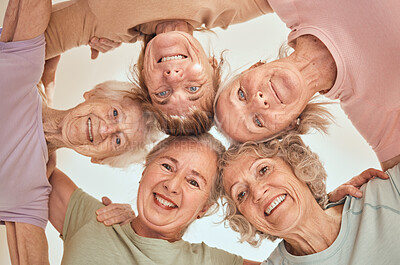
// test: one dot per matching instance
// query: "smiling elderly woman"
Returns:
(333, 55)
(178, 77)
(277, 190)
(177, 187)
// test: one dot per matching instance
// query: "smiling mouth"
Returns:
(276, 95)
(89, 122)
(172, 58)
(164, 202)
(275, 204)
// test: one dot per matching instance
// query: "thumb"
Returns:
(106, 201)
(94, 53)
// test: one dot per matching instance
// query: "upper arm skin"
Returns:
(25, 19)
(250, 262)
(63, 187)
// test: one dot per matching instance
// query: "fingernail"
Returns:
(358, 193)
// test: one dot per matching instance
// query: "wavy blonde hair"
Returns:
(305, 164)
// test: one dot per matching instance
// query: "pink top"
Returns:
(363, 37)
(24, 189)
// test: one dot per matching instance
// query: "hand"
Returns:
(48, 78)
(114, 213)
(352, 187)
(101, 45)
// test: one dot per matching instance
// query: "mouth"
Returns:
(164, 202)
(275, 203)
(89, 123)
(275, 93)
(172, 58)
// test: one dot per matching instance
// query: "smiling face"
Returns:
(101, 128)
(266, 192)
(262, 101)
(177, 73)
(175, 188)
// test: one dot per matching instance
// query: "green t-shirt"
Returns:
(87, 241)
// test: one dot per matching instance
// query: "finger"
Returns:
(106, 201)
(342, 191)
(94, 53)
(109, 43)
(377, 173)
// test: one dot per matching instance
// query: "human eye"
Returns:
(193, 89)
(163, 94)
(117, 140)
(263, 170)
(257, 121)
(115, 113)
(241, 95)
(193, 183)
(241, 195)
(167, 166)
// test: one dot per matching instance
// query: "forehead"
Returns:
(193, 156)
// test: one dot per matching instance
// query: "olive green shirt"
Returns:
(87, 241)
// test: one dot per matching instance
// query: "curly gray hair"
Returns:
(305, 164)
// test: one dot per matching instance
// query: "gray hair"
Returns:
(117, 90)
(305, 164)
(205, 139)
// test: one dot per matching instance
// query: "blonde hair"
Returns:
(195, 122)
(118, 91)
(305, 164)
(205, 139)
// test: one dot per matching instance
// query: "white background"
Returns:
(343, 152)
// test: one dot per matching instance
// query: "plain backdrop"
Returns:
(343, 152)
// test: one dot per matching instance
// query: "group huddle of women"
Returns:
(268, 182)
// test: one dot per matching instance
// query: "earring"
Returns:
(298, 121)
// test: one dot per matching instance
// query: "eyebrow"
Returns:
(194, 172)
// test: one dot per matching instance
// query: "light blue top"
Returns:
(369, 233)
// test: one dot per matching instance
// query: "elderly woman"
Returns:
(333, 55)
(109, 127)
(277, 190)
(177, 77)
(177, 187)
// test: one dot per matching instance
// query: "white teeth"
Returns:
(165, 202)
(90, 129)
(169, 58)
(275, 203)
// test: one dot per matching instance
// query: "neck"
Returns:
(144, 231)
(52, 126)
(316, 233)
(314, 62)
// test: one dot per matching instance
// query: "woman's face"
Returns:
(175, 188)
(177, 73)
(101, 128)
(266, 192)
(262, 101)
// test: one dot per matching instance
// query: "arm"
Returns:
(352, 187)
(250, 262)
(63, 188)
(25, 19)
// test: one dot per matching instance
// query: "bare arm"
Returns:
(250, 262)
(25, 19)
(63, 187)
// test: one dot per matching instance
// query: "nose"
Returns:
(106, 130)
(173, 74)
(173, 185)
(258, 192)
(261, 99)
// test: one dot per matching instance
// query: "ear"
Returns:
(87, 95)
(294, 124)
(203, 211)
